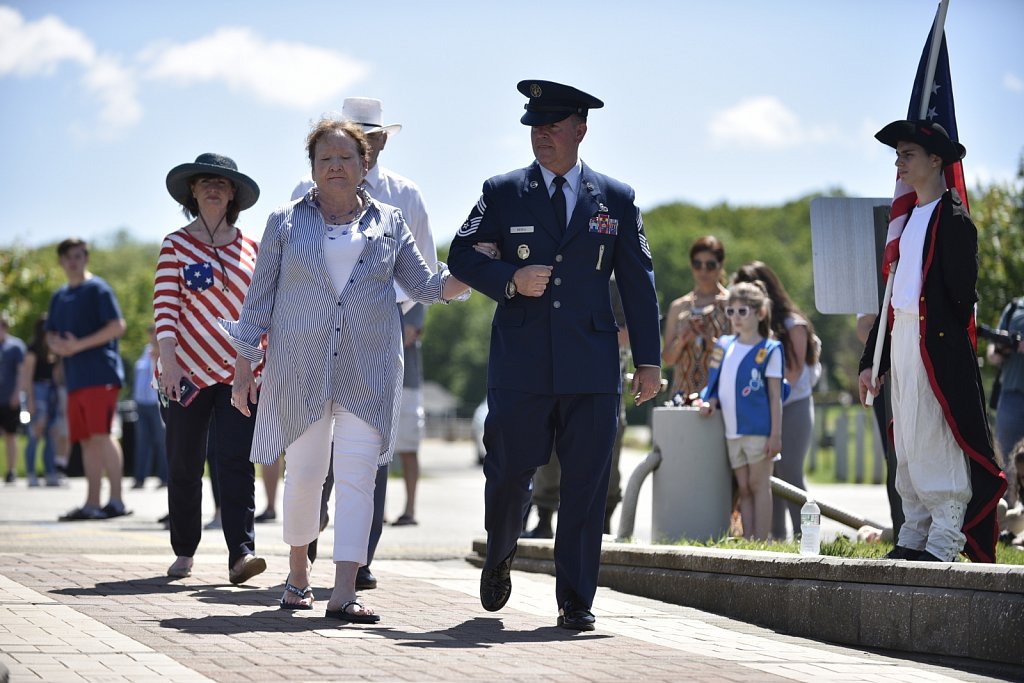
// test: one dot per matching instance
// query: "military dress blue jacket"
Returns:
(565, 341)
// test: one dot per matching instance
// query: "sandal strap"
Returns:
(344, 608)
(295, 590)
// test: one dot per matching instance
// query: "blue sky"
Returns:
(744, 102)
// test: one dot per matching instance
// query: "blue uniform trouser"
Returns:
(519, 432)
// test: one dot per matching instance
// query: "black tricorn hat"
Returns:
(246, 189)
(928, 134)
(551, 102)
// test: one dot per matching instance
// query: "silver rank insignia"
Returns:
(523, 252)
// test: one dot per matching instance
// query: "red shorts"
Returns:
(91, 411)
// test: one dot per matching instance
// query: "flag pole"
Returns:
(933, 60)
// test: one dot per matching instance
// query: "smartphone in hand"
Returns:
(187, 391)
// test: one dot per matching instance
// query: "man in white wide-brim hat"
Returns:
(388, 187)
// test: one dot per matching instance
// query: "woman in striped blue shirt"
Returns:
(323, 293)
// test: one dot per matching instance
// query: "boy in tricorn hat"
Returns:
(946, 472)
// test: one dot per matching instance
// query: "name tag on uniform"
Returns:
(520, 229)
(604, 225)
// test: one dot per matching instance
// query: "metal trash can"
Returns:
(692, 489)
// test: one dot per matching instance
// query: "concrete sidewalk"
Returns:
(89, 601)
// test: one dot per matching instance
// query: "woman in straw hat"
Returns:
(323, 293)
(203, 273)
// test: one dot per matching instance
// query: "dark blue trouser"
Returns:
(150, 442)
(519, 432)
(236, 477)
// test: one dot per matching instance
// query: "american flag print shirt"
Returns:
(190, 295)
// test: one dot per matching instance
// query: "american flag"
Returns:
(940, 110)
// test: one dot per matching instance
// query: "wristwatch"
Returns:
(510, 289)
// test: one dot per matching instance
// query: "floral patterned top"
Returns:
(689, 355)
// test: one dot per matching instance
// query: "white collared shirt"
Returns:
(906, 286)
(571, 187)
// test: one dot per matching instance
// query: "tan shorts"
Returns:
(746, 450)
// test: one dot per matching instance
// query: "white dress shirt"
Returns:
(571, 187)
(906, 286)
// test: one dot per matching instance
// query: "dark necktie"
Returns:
(558, 201)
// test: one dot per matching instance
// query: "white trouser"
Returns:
(356, 448)
(932, 475)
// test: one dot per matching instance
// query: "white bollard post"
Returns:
(692, 488)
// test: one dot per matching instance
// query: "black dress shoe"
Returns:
(265, 516)
(365, 580)
(576, 617)
(925, 556)
(898, 552)
(496, 584)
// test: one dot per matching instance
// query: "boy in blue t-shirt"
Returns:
(83, 327)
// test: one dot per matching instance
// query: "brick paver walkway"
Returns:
(89, 601)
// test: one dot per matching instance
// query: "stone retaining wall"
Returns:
(958, 609)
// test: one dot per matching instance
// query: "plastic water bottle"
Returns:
(810, 528)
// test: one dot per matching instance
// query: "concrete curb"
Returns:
(959, 609)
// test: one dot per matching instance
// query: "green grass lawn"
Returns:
(841, 547)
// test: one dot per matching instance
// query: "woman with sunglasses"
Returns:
(694, 321)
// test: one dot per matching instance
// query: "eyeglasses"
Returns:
(706, 265)
(741, 311)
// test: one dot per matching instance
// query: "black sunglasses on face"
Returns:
(706, 265)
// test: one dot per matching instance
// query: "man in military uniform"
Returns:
(553, 376)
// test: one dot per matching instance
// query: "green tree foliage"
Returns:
(456, 344)
(457, 337)
(998, 212)
(27, 279)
